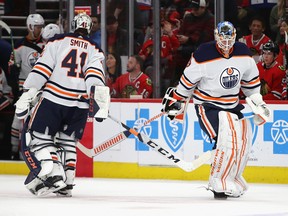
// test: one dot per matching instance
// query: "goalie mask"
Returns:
(82, 21)
(225, 35)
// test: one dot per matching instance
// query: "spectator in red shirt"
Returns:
(134, 82)
(271, 73)
(257, 38)
(169, 44)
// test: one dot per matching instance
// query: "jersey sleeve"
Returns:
(189, 79)
(43, 68)
(250, 83)
(94, 70)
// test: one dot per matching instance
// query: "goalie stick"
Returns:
(186, 166)
(113, 140)
(8, 29)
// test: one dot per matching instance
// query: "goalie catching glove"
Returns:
(26, 102)
(260, 109)
(173, 103)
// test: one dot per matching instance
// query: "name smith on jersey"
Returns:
(79, 43)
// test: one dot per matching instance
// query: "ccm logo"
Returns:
(30, 160)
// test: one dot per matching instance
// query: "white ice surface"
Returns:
(124, 197)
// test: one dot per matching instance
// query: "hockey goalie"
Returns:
(70, 68)
(214, 76)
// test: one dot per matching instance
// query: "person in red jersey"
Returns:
(271, 73)
(134, 82)
(257, 38)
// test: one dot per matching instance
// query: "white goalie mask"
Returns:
(34, 20)
(50, 30)
(225, 35)
(82, 20)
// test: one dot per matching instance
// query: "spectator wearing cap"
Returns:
(197, 28)
(117, 38)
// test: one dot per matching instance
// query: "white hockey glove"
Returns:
(26, 102)
(99, 102)
(260, 109)
(172, 104)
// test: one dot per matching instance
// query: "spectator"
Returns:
(176, 9)
(197, 27)
(114, 67)
(276, 13)
(257, 38)
(169, 44)
(134, 82)
(144, 7)
(282, 43)
(117, 38)
(244, 15)
(263, 8)
(27, 52)
(271, 73)
(120, 10)
(95, 34)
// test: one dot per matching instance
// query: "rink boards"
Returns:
(268, 162)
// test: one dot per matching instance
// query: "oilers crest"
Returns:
(32, 58)
(229, 78)
(174, 132)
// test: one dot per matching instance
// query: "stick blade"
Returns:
(201, 160)
(5, 26)
(86, 151)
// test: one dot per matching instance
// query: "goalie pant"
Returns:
(232, 135)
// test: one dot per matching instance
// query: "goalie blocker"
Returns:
(99, 102)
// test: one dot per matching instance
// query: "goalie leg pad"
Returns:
(68, 155)
(224, 164)
(67, 150)
(51, 174)
(243, 155)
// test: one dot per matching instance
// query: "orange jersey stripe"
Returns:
(42, 69)
(186, 82)
(61, 92)
(223, 100)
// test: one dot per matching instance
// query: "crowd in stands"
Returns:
(185, 24)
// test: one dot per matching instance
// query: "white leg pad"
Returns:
(243, 154)
(68, 143)
(224, 164)
(46, 152)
